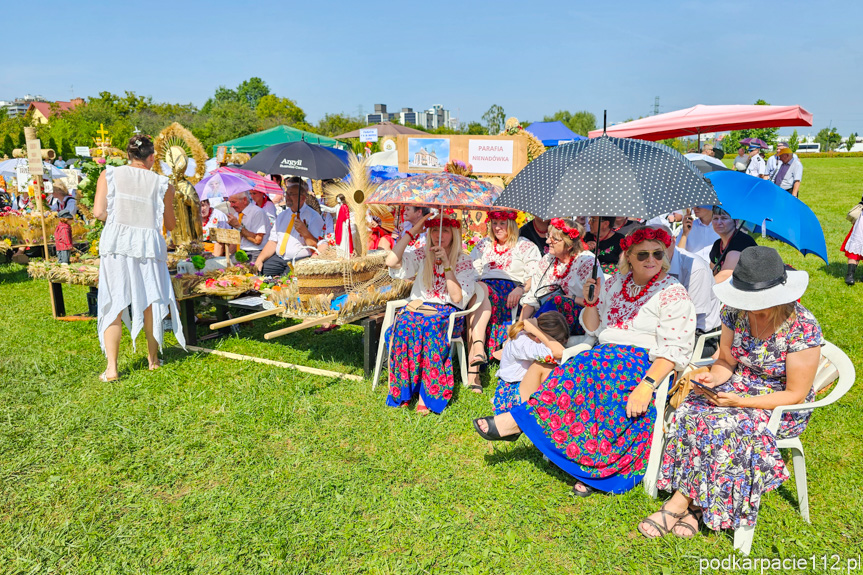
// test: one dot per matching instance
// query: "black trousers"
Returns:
(274, 266)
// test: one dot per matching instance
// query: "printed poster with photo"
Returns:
(430, 154)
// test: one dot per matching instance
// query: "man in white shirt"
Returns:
(252, 221)
(695, 275)
(697, 235)
(291, 236)
(756, 166)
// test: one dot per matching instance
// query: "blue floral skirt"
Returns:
(419, 353)
(577, 418)
(569, 309)
(506, 396)
(501, 316)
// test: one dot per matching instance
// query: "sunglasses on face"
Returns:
(642, 256)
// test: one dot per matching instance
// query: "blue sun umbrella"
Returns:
(759, 201)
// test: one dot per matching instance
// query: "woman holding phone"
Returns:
(720, 458)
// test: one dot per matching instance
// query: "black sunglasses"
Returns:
(657, 255)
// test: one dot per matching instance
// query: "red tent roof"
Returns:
(701, 118)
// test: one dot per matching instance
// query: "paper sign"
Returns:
(22, 175)
(490, 156)
(34, 157)
(82, 151)
(221, 151)
(368, 135)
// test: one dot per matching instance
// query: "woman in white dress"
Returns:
(133, 273)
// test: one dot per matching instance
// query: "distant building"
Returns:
(431, 119)
(42, 110)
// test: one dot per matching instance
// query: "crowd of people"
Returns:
(530, 291)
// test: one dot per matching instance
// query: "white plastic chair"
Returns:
(834, 364)
(698, 352)
(456, 341)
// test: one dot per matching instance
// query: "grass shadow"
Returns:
(12, 273)
(835, 269)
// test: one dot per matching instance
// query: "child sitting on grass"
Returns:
(536, 339)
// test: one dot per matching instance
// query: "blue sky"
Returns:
(532, 58)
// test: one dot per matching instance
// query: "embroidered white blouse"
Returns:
(661, 321)
(513, 264)
(544, 275)
(412, 268)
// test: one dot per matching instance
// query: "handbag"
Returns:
(420, 307)
(555, 291)
(682, 386)
(854, 214)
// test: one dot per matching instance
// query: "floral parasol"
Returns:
(438, 189)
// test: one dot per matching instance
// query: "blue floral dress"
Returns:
(723, 457)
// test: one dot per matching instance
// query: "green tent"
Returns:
(254, 143)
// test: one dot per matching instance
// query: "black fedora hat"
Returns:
(760, 281)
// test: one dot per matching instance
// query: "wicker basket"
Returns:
(225, 236)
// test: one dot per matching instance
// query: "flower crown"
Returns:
(645, 234)
(447, 223)
(561, 225)
(502, 215)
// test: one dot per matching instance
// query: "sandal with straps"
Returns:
(663, 529)
(693, 531)
(474, 387)
(478, 362)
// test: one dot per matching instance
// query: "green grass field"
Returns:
(216, 466)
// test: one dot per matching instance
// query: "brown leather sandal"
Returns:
(663, 529)
(693, 531)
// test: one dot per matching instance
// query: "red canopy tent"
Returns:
(698, 119)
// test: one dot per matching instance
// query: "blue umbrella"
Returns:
(755, 200)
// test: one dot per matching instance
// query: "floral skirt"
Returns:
(420, 360)
(723, 458)
(577, 418)
(501, 316)
(569, 309)
(506, 396)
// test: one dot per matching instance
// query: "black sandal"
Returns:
(588, 490)
(492, 434)
(663, 529)
(479, 362)
(474, 387)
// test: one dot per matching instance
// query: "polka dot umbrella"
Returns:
(608, 176)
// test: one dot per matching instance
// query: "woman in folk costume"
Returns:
(558, 278)
(134, 283)
(444, 280)
(504, 262)
(381, 224)
(593, 416)
(852, 247)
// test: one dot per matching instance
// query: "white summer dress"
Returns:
(134, 258)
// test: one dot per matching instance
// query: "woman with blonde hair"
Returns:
(720, 458)
(504, 262)
(557, 279)
(444, 280)
(593, 416)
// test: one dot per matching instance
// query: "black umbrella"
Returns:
(608, 177)
(298, 159)
(706, 163)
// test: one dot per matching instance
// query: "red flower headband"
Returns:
(502, 215)
(561, 225)
(645, 234)
(447, 223)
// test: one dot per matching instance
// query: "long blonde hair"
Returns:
(454, 252)
(511, 232)
(552, 324)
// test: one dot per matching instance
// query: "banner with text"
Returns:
(487, 155)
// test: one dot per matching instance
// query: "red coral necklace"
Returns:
(565, 273)
(625, 289)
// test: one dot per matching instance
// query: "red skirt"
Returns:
(850, 255)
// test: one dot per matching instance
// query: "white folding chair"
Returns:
(456, 341)
(834, 366)
(698, 352)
